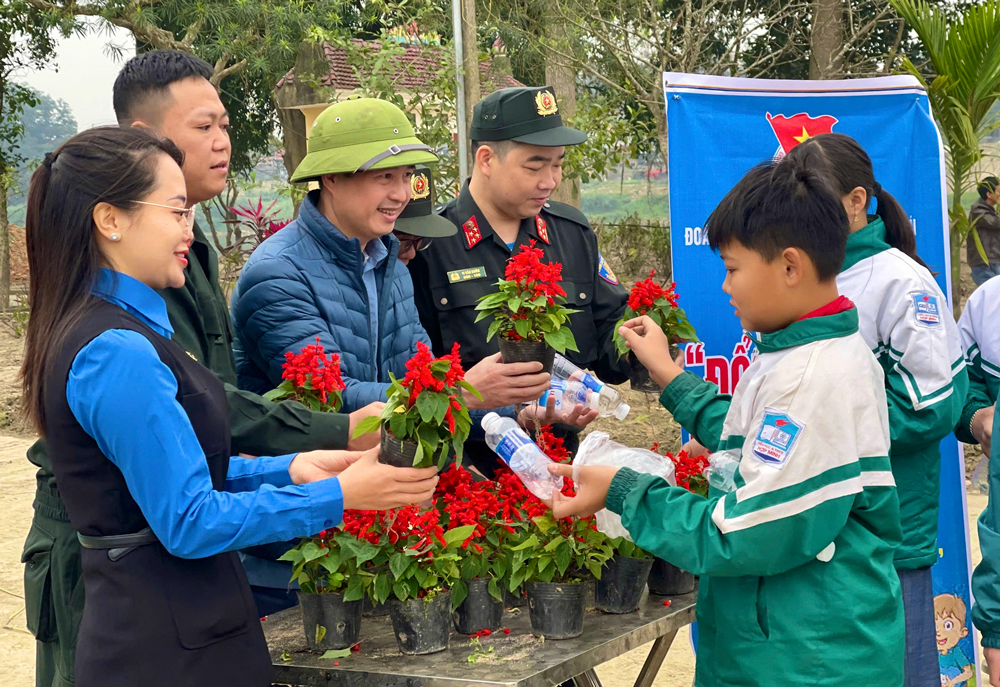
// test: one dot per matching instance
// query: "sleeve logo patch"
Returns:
(604, 271)
(925, 310)
(776, 438)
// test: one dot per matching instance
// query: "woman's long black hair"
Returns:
(102, 165)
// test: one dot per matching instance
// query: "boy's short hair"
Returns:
(779, 205)
(949, 604)
(501, 148)
(147, 76)
(987, 185)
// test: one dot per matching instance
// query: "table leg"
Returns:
(654, 660)
(587, 679)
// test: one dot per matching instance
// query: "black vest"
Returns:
(151, 619)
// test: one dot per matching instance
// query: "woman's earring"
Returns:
(115, 237)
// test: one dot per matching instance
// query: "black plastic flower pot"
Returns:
(479, 611)
(622, 581)
(422, 626)
(669, 580)
(528, 351)
(638, 377)
(556, 609)
(370, 609)
(330, 622)
(396, 452)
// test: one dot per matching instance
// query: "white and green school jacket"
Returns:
(906, 321)
(979, 327)
(797, 579)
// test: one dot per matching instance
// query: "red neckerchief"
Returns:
(838, 305)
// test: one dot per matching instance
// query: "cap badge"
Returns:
(545, 103)
(543, 230)
(419, 186)
(472, 235)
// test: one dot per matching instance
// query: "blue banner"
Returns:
(719, 128)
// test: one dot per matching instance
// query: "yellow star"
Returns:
(804, 137)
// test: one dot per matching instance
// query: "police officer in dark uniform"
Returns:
(519, 142)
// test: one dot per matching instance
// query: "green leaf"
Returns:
(367, 552)
(368, 424)
(458, 534)
(459, 592)
(320, 633)
(418, 457)
(293, 555)
(355, 588)
(564, 557)
(331, 563)
(528, 543)
(336, 653)
(382, 587)
(311, 551)
(471, 389)
(426, 405)
(521, 327)
(398, 564)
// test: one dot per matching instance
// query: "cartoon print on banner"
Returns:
(724, 372)
(950, 627)
(793, 130)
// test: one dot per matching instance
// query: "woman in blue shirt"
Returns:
(138, 435)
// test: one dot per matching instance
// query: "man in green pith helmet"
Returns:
(519, 143)
(419, 225)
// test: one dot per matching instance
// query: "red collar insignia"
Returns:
(472, 235)
(543, 230)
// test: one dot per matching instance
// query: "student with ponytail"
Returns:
(906, 321)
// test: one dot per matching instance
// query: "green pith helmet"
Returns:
(418, 217)
(359, 134)
(523, 114)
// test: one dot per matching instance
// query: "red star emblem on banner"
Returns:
(543, 230)
(472, 235)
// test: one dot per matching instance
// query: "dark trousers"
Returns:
(920, 664)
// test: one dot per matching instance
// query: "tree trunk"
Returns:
(4, 249)
(470, 67)
(563, 81)
(955, 236)
(826, 45)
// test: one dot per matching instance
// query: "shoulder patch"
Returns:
(564, 211)
(926, 311)
(776, 438)
(604, 271)
(471, 230)
(542, 228)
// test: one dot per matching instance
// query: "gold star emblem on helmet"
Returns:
(419, 186)
(545, 103)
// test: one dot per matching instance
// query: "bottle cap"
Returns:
(622, 411)
(489, 420)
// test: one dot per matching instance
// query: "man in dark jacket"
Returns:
(168, 92)
(986, 226)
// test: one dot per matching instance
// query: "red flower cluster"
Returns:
(689, 470)
(467, 502)
(366, 525)
(526, 269)
(645, 293)
(554, 448)
(312, 364)
(420, 376)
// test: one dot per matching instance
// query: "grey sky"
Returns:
(83, 73)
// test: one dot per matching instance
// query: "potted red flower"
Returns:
(426, 415)
(527, 310)
(478, 594)
(666, 579)
(331, 586)
(660, 304)
(422, 559)
(312, 378)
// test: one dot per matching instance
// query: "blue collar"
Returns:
(342, 250)
(376, 252)
(135, 297)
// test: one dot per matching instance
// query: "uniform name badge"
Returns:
(468, 274)
(776, 438)
(925, 310)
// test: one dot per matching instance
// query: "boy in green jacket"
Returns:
(796, 557)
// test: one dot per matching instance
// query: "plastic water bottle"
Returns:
(567, 394)
(516, 448)
(609, 400)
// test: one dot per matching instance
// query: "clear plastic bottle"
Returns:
(566, 394)
(516, 448)
(609, 400)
